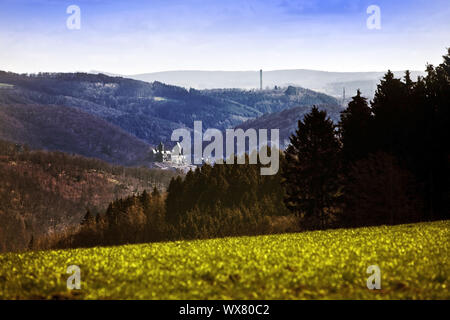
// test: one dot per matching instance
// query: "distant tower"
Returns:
(343, 96)
(260, 79)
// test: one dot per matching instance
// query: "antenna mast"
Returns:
(260, 79)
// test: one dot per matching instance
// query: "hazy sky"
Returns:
(132, 36)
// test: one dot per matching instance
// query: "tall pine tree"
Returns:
(354, 129)
(311, 167)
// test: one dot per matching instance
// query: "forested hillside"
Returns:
(71, 130)
(150, 111)
(273, 100)
(45, 192)
(286, 120)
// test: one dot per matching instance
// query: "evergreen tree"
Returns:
(145, 200)
(389, 106)
(437, 84)
(88, 219)
(31, 243)
(311, 169)
(174, 199)
(155, 192)
(408, 81)
(354, 129)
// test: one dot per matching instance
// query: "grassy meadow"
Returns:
(413, 259)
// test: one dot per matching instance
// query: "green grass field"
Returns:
(414, 263)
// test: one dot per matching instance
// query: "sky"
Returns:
(133, 36)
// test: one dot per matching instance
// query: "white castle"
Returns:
(175, 156)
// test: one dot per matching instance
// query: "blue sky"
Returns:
(130, 37)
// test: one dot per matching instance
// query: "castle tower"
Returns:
(161, 147)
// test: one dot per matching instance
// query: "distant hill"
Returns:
(70, 130)
(273, 100)
(286, 121)
(147, 111)
(331, 83)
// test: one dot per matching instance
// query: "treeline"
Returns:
(138, 218)
(385, 162)
(212, 201)
(224, 200)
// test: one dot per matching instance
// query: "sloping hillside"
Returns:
(286, 121)
(42, 192)
(274, 100)
(150, 111)
(70, 130)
